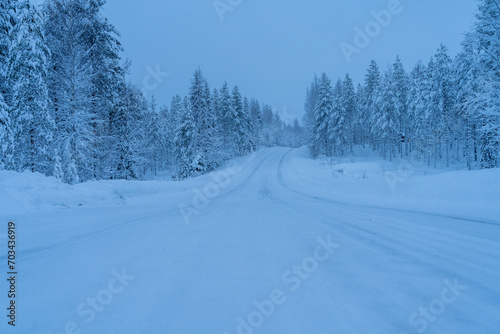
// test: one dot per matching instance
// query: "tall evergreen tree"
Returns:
(322, 113)
(225, 120)
(372, 84)
(7, 23)
(245, 130)
(70, 88)
(27, 77)
(132, 129)
(487, 35)
(350, 108)
(235, 120)
(385, 120)
(6, 137)
(419, 98)
(8, 18)
(311, 99)
(107, 75)
(268, 136)
(213, 141)
(155, 142)
(257, 121)
(337, 122)
(443, 99)
(172, 118)
(361, 127)
(467, 74)
(199, 102)
(400, 90)
(191, 161)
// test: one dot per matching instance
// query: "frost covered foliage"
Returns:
(66, 109)
(444, 112)
(214, 126)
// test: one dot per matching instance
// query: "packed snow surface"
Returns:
(273, 242)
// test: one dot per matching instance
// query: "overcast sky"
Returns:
(272, 49)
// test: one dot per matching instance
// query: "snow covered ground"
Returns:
(273, 243)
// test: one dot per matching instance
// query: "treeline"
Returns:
(206, 128)
(67, 110)
(444, 112)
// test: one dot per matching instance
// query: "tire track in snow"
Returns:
(421, 250)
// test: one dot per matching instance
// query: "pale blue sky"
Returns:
(271, 49)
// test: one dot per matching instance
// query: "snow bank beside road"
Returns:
(397, 184)
(21, 192)
(34, 192)
(368, 181)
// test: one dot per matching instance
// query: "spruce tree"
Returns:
(8, 18)
(322, 114)
(225, 121)
(191, 162)
(257, 121)
(101, 41)
(27, 77)
(350, 109)
(487, 35)
(6, 137)
(385, 119)
(400, 90)
(372, 83)
(247, 143)
(467, 73)
(267, 126)
(443, 99)
(70, 88)
(236, 123)
(130, 129)
(7, 23)
(311, 100)
(419, 98)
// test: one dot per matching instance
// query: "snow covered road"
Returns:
(254, 248)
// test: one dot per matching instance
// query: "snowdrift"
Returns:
(401, 184)
(369, 181)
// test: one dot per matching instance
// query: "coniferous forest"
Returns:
(67, 109)
(202, 209)
(443, 112)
